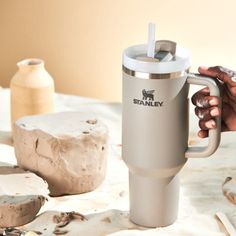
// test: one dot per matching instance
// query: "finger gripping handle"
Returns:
(214, 134)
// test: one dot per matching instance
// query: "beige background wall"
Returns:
(81, 41)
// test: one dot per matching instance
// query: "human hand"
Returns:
(207, 106)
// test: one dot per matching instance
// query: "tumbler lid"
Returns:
(130, 61)
(157, 57)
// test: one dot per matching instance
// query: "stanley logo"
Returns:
(148, 99)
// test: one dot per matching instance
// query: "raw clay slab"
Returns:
(22, 194)
(67, 149)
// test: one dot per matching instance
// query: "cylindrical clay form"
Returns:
(67, 149)
(32, 90)
(155, 135)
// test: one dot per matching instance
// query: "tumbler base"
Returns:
(153, 201)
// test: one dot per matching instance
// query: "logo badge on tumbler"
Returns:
(148, 94)
(148, 99)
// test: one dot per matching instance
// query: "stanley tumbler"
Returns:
(155, 128)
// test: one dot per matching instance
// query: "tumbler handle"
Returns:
(214, 134)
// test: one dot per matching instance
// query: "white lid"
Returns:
(181, 62)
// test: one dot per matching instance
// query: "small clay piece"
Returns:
(17, 232)
(19, 210)
(22, 194)
(67, 149)
(11, 232)
(64, 218)
(92, 122)
(60, 232)
(229, 189)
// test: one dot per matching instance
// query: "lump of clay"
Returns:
(66, 149)
(22, 194)
(19, 210)
(229, 189)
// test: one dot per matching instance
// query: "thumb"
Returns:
(223, 74)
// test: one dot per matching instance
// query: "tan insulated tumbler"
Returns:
(156, 128)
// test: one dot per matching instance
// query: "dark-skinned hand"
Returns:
(207, 106)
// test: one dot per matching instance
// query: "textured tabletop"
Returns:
(106, 208)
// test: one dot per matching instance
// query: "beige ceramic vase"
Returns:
(32, 90)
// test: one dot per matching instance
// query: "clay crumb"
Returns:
(15, 232)
(10, 231)
(38, 232)
(122, 193)
(36, 143)
(228, 189)
(60, 232)
(106, 220)
(92, 122)
(85, 132)
(78, 216)
(65, 218)
(227, 180)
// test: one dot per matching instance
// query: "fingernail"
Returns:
(233, 78)
(202, 102)
(203, 67)
(210, 124)
(213, 102)
(200, 134)
(214, 112)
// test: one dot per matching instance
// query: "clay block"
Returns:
(22, 194)
(19, 210)
(67, 149)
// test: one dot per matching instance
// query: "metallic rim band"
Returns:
(144, 75)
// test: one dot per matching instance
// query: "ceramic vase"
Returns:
(32, 90)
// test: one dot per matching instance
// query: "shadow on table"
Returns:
(102, 223)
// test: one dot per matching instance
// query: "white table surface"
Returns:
(201, 180)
